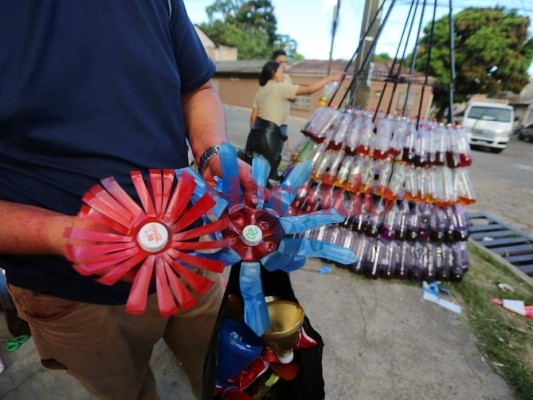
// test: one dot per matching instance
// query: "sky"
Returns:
(309, 23)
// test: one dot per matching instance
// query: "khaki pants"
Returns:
(108, 350)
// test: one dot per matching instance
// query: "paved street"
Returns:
(504, 184)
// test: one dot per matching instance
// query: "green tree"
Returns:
(493, 52)
(382, 57)
(250, 26)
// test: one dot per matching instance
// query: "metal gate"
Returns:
(513, 245)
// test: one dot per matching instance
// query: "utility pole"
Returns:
(362, 96)
(336, 10)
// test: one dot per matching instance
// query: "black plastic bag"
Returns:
(266, 139)
(309, 383)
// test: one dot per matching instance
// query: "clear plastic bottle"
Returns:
(397, 181)
(402, 220)
(374, 219)
(317, 126)
(384, 170)
(354, 135)
(330, 174)
(460, 261)
(463, 147)
(356, 175)
(366, 140)
(409, 143)
(328, 92)
(442, 257)
(338, 138)
(461, 226)
(421, 147)
(452, 151)
(411, 183)
(405, 261)
(389, 260)
(463, 188)
(362, 249)
(371, 267)
(382, 141)
(440, 141)
(389, 228)
(437, 224)
(344, 171)
(400, 127)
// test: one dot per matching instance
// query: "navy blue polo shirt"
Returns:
(89, 89)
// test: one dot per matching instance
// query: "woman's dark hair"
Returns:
(278, 53)
(269, 69)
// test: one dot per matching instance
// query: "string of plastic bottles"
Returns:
(402, 183)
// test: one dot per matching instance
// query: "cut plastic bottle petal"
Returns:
(180, 198)
(305, 222)
(167, 306)
(201, 188)
(184, 298)
(92, 215)
(205, 203)
(105, 261)
(203, 245)
(87, 252)
(231, 189)
(227, 255)
(317, 248)
(138, 296)
(255, 309)
(202, 230)
(98, 203)
(260, 171)
(121, 270)
(198, 282)
(199, 261)
(94, 236)
(283, 196)
(112, 186)
(144, 194)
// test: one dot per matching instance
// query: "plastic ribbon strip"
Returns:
(274, 250)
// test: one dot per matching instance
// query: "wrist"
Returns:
(206, 158)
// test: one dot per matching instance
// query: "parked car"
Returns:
(526, 133)
(489, 124)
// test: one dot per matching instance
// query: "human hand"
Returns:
(337, 77)
(249, 187)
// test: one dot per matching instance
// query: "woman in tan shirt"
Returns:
(268, 110)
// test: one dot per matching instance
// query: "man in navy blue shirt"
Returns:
(91, 89)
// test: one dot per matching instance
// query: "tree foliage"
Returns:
(493, 52)
(250, 26)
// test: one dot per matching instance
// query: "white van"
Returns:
(489, 124)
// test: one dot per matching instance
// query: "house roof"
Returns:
(380, 71)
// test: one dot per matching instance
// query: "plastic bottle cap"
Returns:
(252, 235)
(153, 237)
(285, 357)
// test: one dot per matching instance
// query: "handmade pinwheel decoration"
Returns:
(130, 242)
(261, 235)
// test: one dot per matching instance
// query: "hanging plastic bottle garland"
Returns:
(403, 188)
